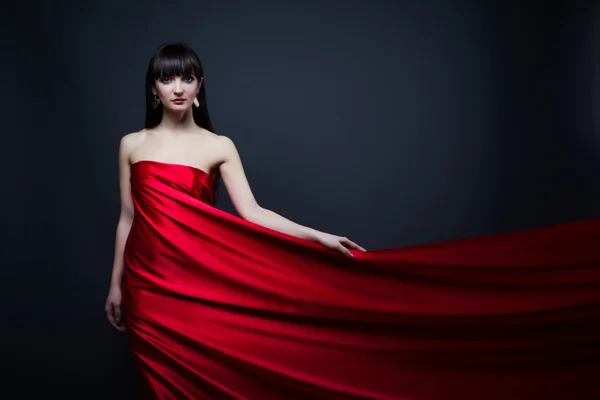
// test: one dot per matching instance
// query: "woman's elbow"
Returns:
(126, 217)
(249, 212)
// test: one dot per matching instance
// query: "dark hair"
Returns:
(175, 59)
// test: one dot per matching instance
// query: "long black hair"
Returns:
(175, 59)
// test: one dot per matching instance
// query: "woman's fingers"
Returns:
(113, 312)
(109, 314)
(117, 313)
(349, 243)
(346, 252)
(118, 318)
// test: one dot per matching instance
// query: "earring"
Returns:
(155, 102)
(196, 102)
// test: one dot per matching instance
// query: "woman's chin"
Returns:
(177, 109)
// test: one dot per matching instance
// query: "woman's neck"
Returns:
(177, 122)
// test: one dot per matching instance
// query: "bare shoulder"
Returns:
(226, 145)
(133, 138)
(130, 141)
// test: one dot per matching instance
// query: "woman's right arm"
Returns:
(113, 302)
(126, 216)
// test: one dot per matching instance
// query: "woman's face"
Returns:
(177, 92)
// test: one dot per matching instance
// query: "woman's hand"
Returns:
(337, 243)
(113, 308)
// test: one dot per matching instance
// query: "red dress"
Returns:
(220, 308)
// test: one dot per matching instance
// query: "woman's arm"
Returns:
(123, 228)
(126, 216)
(246, 206)
(113, 301)
(272, 220)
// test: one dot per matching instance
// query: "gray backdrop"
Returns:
(393, 123)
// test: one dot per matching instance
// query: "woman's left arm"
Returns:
(242, 198)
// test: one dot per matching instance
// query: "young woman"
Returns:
(259, 307)
(179, 131)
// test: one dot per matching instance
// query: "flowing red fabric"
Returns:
(218, 307)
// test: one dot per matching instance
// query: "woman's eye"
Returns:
(165, 79)
(188, 78)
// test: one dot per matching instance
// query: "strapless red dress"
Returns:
(221, 308)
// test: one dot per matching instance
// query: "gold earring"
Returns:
(155, 102)
(196, 102)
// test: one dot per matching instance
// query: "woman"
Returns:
(179, 131)
(259, 307)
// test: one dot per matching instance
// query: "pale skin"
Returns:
(178, 140)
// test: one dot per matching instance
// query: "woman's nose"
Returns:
(178, 89)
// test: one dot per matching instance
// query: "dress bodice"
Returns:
(188, 179)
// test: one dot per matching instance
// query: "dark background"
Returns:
(393, 123)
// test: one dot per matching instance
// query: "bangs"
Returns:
(175, 61)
